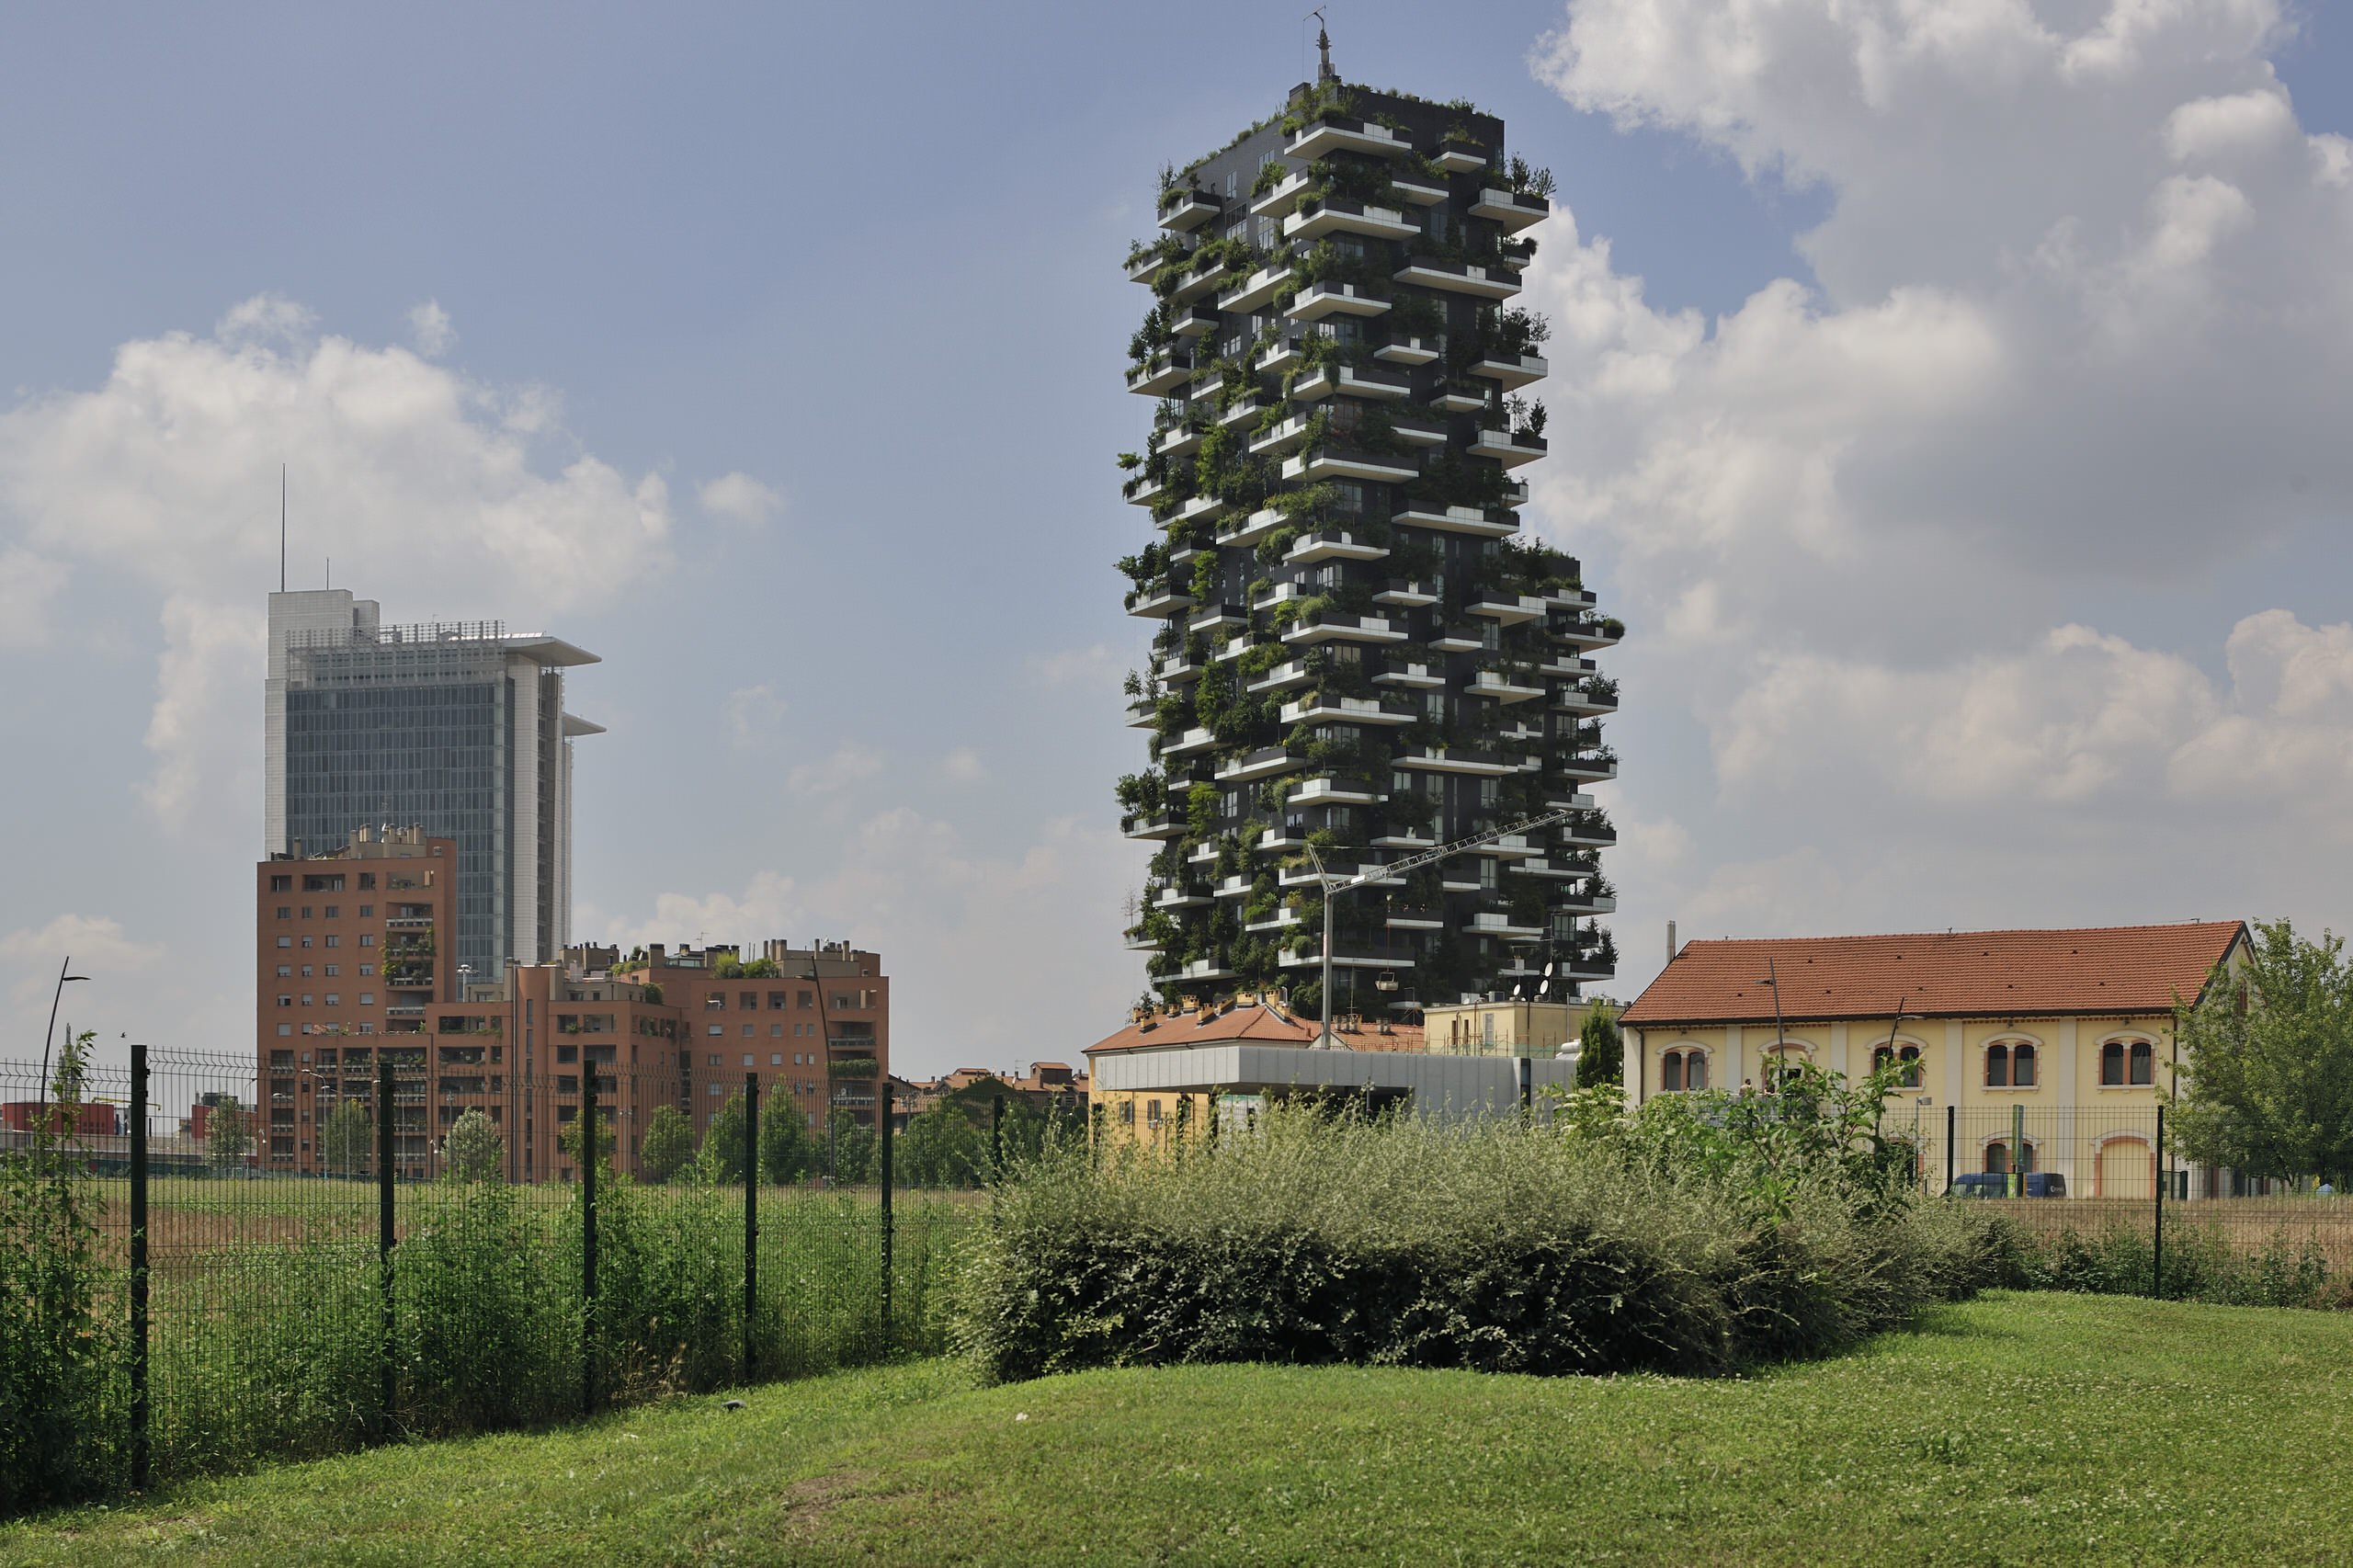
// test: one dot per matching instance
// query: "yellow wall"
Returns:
(1519, 1029)
(1114, 1124)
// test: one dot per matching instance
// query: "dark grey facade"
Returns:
(1358, 649)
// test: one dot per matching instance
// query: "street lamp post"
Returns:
(1780, 1039)
(40, 1093)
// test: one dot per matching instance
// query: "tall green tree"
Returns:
(569, 1139)
(788, 1154)
(472, 1150)
(2267, 1078)
(721, 1160)
(346, 1138)
(1601, 1049)
(855, 1155)
(228, 1136)
(941, 1147)
(668, 1145)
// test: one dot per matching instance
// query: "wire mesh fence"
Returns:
(277, 1258)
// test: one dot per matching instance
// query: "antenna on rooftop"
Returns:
(1323, 50)
(281, 527)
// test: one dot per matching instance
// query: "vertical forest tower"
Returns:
(1356, 650)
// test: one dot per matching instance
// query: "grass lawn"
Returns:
(2019, 1429)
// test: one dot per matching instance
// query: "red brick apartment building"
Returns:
(663, 1029)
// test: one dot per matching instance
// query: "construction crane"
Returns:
(1333, 885)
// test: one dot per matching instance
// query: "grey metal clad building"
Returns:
(457, 728)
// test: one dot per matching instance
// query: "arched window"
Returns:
(1686, 1069)
(2123, 1063)
(2022, 1066)
(1998, 1069)
(1997, 1158)
(1907, 1055)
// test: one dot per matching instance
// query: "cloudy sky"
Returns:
(1954, 396)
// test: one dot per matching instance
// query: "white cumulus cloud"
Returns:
(740, 498)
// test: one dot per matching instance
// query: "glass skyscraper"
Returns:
(457, 728)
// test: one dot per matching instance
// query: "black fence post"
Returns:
(384, 1352)
(591, 1154)
(882, 1130)
(1952, 1139)
(996, 1136)
(139, 1268)
(751, 1213)
(2157, 1243)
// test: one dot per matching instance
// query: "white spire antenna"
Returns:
(281, 527)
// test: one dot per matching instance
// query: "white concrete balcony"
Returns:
(1580, 632)
(1286, 676)
(1334, 462)
(1283, 594)
(1337, 626)
(1327, 380)
(1459, 157)
(1280, 358)
(1403, 595)
(1281, 841)
(1326, 137)
(1241, 533)
(1512, 374)
(1183, 211)
(1576, 699)
(1458, 277)
(1489, 923)
(1174, 670)
(1458, 399)
(1412, 678)
(1139, 943)
(1325, 297)
(1410, 839)
(1283, 919)
(1191, 743)
(1233, 887)
(1332, 792)
(1146, 490)
(1205, 969)
(1255, 291)
(1585, 766)
(1423, 434)
(1144, 713)
(1340, 215)
(1163, 373)
(1244, 413)
(1416, 190)
(1199, 319)
(1210, 617)
(1181, 895)
(1458, 640)
(1507, 609)
(1452, 759)
(1408, 351)
(1265, 764)
(1321, 708)
(1332, 544)
(1510, 208)
(1413, 920)
(1510, 846)
(1177, 440)
(1199, 283)
(1280, 436)
(1523, 734)
(1158, 601)
(1162, 824)
(1509, 447)
(1282, 197)
(1197, 507)
(1202, 854)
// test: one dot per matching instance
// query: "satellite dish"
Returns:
(1548, 971)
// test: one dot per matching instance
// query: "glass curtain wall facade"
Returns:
(1358, 648)
(458, 729)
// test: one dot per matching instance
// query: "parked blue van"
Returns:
(1992, 1184)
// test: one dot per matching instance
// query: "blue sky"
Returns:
(865, 258)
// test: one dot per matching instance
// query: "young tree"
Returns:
(721, 1160)
(472, 1150)
(787, 1150)
(1601, 1055)
(668, 1145)
(854, 1150)
(2267, 1065)
(569, 1139)
(941, 1147)
(346, 1139)
(228, 1136)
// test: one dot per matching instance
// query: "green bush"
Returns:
(1499, 1246)
(62, 1389)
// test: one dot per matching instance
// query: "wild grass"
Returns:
(2014, 1428)
(1497, 1246)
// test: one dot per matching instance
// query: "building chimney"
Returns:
(1671, 948)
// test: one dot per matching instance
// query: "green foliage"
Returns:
(1601, 1049)
(228, 1136)
(1503, 1246)
(472, 1150)
(721, 1162)
(855, 1151)
(2268, 1062)
(574, 1134)
(61, 1383)
(348, 1140)
(787, 1152)
(668, 1146)
(941, 1147)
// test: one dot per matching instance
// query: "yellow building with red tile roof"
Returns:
(2060, 1043)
